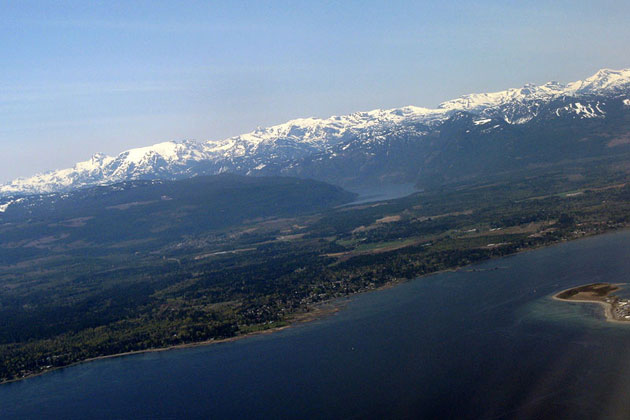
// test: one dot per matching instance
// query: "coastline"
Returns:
(607, 308)
(607, 305)
(329, 307)
(319, 311)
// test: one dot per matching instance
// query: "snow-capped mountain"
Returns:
(342, 149)
(518, 106)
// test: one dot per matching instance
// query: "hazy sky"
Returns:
(82, 77)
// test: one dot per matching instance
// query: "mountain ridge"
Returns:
(289, 148)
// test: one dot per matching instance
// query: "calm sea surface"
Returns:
(488, 343)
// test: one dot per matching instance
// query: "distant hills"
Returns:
(471, 136)
(135, 212)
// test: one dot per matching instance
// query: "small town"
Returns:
(620, 308)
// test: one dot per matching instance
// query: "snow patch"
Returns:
(5, 206)
(584, 111)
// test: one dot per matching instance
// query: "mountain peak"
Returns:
(602, 82)
(283, 145)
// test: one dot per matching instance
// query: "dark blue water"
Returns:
(482, 344)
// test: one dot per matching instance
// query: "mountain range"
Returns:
(469, 136)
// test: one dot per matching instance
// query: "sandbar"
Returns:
(615, 308)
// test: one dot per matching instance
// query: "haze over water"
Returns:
(483, 342)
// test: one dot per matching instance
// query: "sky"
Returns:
(77, 78)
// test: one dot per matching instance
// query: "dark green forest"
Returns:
(145, 265)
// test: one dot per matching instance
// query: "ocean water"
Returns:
(483, 342)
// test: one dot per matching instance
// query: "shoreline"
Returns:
(320, 311)
(607, 308)
(326, 308)
(608, 305)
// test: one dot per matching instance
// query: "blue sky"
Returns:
(103, 76)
